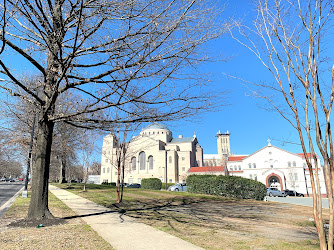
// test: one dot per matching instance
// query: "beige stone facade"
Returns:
(154, 153)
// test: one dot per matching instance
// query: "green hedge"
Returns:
(151, 183)
(227, 186)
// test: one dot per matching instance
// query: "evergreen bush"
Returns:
(227, 186)
(151, 183)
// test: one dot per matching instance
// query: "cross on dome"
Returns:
(269, 144)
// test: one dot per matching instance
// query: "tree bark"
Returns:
(62, 171)
(38, 208)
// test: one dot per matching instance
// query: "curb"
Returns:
(5, 206)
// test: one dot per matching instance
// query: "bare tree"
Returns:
(113, 55)
(95, 168)
(87, 147)
(290, 38)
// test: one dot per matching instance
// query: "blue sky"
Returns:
(249, 124)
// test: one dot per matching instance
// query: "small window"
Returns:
(250, 176)
(290, 176)
(249, 165)
(289, 164)
(254, 165)
(255, 177)
(158, 132)
(153, 133)
(170, 159)
(296, 177)
(106, 160)
(231, 169)
(133, 163)
(239, 167)
(294, 164)
(104, 170)
(272, 166)
(170, 180)
(108, 170)
(183, 169)
(235, 167)
(183, 158)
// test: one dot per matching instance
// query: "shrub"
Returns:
(151, 183)
(227, 186)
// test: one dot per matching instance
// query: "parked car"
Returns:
(3, 179)
(275, 192)
(11, 180)
(21, 179)
(292, 193)
(178, 187)
(134, 185)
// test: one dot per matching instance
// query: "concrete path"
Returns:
(122, 232)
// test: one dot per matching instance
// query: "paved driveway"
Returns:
(305, 201)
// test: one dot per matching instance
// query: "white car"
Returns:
(275, 192)
(178, 187)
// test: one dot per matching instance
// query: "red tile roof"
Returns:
(309, 155)
(206, 169)
(237, 158)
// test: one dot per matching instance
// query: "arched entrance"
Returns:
(274, 181)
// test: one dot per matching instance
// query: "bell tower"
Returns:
(223, 144)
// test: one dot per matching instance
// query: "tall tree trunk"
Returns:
(62, 170)
(38, 208)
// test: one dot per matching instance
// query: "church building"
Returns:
(273, 166)
(154, 153)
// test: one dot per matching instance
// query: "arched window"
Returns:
(170, 159)
(250, 165)
(108, 170)
(254, 165)
(142, 160)
(104, 170)
(289, 164)
(294, 163)
(231, 168)
(150, 162)
(133, 163)
(235, 168)
(239, 167)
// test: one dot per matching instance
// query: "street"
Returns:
(7, 191)
(305, 201)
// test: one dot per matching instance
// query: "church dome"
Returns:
(155, 125)
(157, 130)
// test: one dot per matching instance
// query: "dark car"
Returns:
(292, 193)
(134, 185)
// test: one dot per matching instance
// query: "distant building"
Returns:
(273, 166)
(154, 153)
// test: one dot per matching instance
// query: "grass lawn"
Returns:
(212, 222)
(71, 234)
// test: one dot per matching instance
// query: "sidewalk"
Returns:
(122, 232)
